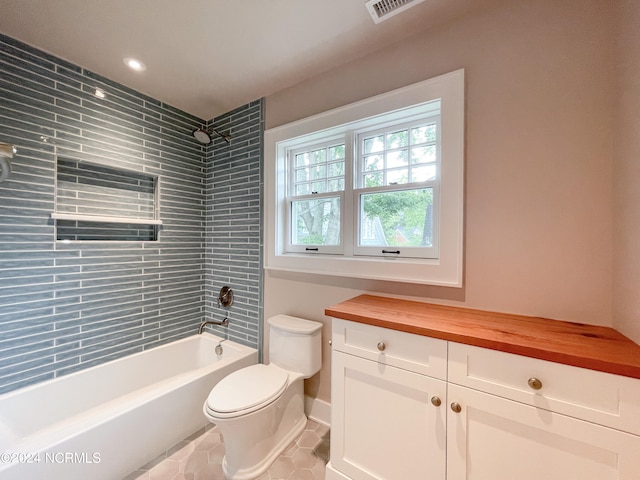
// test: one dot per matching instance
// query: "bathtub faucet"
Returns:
(223, 323)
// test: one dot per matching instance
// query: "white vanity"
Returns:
(428, 392)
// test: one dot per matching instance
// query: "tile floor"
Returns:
(199, 457)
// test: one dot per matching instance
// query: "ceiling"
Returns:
(207, 57)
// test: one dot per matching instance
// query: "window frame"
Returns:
(447, 269)
(292, 197)
(430, 252)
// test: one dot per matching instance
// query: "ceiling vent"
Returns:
(380, 10)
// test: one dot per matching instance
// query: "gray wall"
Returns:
(65, 307)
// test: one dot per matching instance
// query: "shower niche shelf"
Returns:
(95, 202)
(105, 219)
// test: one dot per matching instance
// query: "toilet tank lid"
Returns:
(291, 324)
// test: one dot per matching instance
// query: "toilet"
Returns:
(259, 410)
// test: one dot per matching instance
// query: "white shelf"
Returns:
(104, 219)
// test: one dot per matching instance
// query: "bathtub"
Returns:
(106, 421)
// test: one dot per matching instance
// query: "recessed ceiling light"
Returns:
(100, 93)
(134, 64)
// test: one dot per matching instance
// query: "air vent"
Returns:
(380, 10)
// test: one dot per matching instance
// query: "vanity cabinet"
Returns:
(388, 410)
(524, 418)
(407, 406)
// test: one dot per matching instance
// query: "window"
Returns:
(373, 189)
(316, 185)
(396, 187)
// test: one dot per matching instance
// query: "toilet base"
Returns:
(254, 441)
(258, 469)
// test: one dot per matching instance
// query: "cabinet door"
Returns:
(500, 439)
(384, 424)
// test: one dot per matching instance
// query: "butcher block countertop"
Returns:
(588, 346)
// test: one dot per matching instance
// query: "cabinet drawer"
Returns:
(415, 353)
(602, 398)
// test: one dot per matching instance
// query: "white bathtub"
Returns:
(108, 420)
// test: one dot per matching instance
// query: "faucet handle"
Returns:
(225, 297)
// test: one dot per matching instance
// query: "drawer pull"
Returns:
(455, 406)
(436, 401)
(381, 346)
(534, 383)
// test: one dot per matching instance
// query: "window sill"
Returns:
(417, 271)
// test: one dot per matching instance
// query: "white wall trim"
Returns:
(318, 410)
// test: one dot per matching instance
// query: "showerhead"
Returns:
(204, 136)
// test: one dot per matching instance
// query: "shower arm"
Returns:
(203, 135)
(7, 150)
(226, 137)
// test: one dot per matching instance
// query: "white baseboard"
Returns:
(332, 474)
(318, 410)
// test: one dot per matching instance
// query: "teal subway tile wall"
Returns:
(66, 306)
(233, 243)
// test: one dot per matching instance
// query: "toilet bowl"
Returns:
(259, 410)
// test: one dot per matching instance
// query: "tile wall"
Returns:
(233, 245)
(68, 306)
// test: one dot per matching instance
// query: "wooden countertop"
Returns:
(588, 346)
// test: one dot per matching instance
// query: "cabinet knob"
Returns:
(436, 401)
(381, 346)
(534, 383)
(455, 406)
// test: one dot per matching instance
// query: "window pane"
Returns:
(336, 169)
(301, 175)
(396, 153)
(319, 187)
(336, 185)
(423, 173)
(431, 132)
(319, 171)
(401, 218)
(302, 159)
(373, 162)
(373, 179)
(316, 222)
(312, 170)
(336, 153)
(423, 134)
(374, 144)
(423, 154)
(397, 158)
(318, 156)
(302, 189)
(398, 176)
(398, 139)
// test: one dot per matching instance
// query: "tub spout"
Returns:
(223, 323)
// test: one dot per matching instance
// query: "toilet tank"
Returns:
(295, 344)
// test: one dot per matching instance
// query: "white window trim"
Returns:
(447, 270)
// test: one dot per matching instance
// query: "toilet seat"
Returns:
(246, 390)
